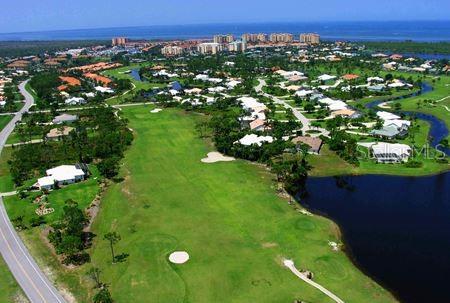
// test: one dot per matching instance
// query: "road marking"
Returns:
(9, 128)
(20, 265)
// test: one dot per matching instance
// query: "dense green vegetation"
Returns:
(409, 47)
(4, 120)
(101, 136)
(28, 48)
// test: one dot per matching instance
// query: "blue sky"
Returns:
(33, 15)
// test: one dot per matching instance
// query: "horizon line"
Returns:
(222, 23)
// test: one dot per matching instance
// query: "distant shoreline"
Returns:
(396, 31)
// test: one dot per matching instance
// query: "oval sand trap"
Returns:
(214, 157)
(156, 110)
(179, 257)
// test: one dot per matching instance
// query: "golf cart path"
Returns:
(290, 264)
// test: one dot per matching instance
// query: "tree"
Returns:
(103, 296)
(94, 274)
(113, 238)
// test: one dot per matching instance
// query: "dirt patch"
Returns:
(269, 244)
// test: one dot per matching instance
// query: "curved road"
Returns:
(306, 123)
(31, 279)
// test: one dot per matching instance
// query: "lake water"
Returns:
(354, 31)
(396, 229)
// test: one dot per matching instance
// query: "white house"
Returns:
(303, 93)
(75, 101)
(390, 153)
(104, 90)
(251, 139)
(387, 116)
(250, 103)
(61, 175)
(326, 77)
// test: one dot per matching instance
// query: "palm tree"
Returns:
(113, 238)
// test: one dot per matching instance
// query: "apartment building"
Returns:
(119, 41)
(310, 38)
(209, 48)
(254, 38)
(237, 46)
(281, 38)
(223, 39)
(172, 50)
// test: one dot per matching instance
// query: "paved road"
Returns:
(34, 283)
(290, 264)
(306, 123)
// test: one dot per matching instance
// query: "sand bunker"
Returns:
(156, 110)
(179, 257)
(214, 157)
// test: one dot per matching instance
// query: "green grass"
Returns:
(119, 73)
(226, 215)
(82, 192)
(441, 90)
(9, 289)
(15, 138)
(6, 183)
(4, 120)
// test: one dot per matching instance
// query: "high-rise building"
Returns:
(171, 50)
(283, 38)
(253, 38)
(119, 41)
(223, 39)
(209, 48)
(237, 46)
(310, 38)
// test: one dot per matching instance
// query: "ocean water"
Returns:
(352, 31)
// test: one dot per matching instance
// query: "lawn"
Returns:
(9, 289)
(82, 192)
(440, 92)
(4, 120)
(6, 183)
(227, 216)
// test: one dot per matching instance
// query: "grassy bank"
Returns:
(4, 120)
(9, 289)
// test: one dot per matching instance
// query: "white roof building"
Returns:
(102, 89)
(251, 139)
(391, 153)
(387, 116)
(232, 84)
(75, 101)
(334, 105)
(375, 79)
(250, 103)
(63, 174)
(326, 77)
(304, 93)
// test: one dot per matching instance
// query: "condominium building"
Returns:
(237, 46)
(119, 41)
(223, 39)
(283, 38)
(254, 37)
(171, 50)
(209, 48)
(310, 38)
